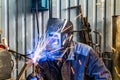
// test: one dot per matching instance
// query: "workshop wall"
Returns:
(19, 25)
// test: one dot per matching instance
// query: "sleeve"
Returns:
(96, 68)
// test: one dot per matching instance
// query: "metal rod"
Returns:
(18, 53)
(16, 18)
(98, 44)
(69, 10)
(34, 30)
(73, 7)
(24, 68)
(42, 23)
(8, 21)
(114, 12)
(60, 9)
(104, 24)
(25, 30)
(37, 20)
(50, 8)
(86, 8)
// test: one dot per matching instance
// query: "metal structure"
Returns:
(116, 46)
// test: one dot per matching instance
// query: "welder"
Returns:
(66, 59)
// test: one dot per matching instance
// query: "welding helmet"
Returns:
(58, 36)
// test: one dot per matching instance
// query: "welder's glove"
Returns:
(49, 70)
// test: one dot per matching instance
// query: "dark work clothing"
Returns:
(84, 64)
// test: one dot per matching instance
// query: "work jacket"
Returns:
(83, 63)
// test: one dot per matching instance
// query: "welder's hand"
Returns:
(49, 70)
(30, 63)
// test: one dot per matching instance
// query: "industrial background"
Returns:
(19, 24)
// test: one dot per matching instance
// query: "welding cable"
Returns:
(18, 53)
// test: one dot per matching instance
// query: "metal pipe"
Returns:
(98, 44)
(60, 9)
(50, 8)
(16, 18)
(18, 53)
(116, 46)
(25, 30)
(8, 21)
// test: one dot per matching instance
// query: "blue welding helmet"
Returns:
(58, 36)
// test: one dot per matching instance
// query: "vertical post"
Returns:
(116, 46)
(50, 8)
(60, 9)
(16, 18)
(68, 10)
(104, 24)
(25, 32)
(8, 21)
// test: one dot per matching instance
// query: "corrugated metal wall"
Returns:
(19, 28)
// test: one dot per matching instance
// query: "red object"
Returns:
(2, 46)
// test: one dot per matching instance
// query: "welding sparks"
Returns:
(66, 51)
(38, 54)
(77, 16)
(72, 70)
(44, 52)
(64, 25)
(80, 62)
(66, 28)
